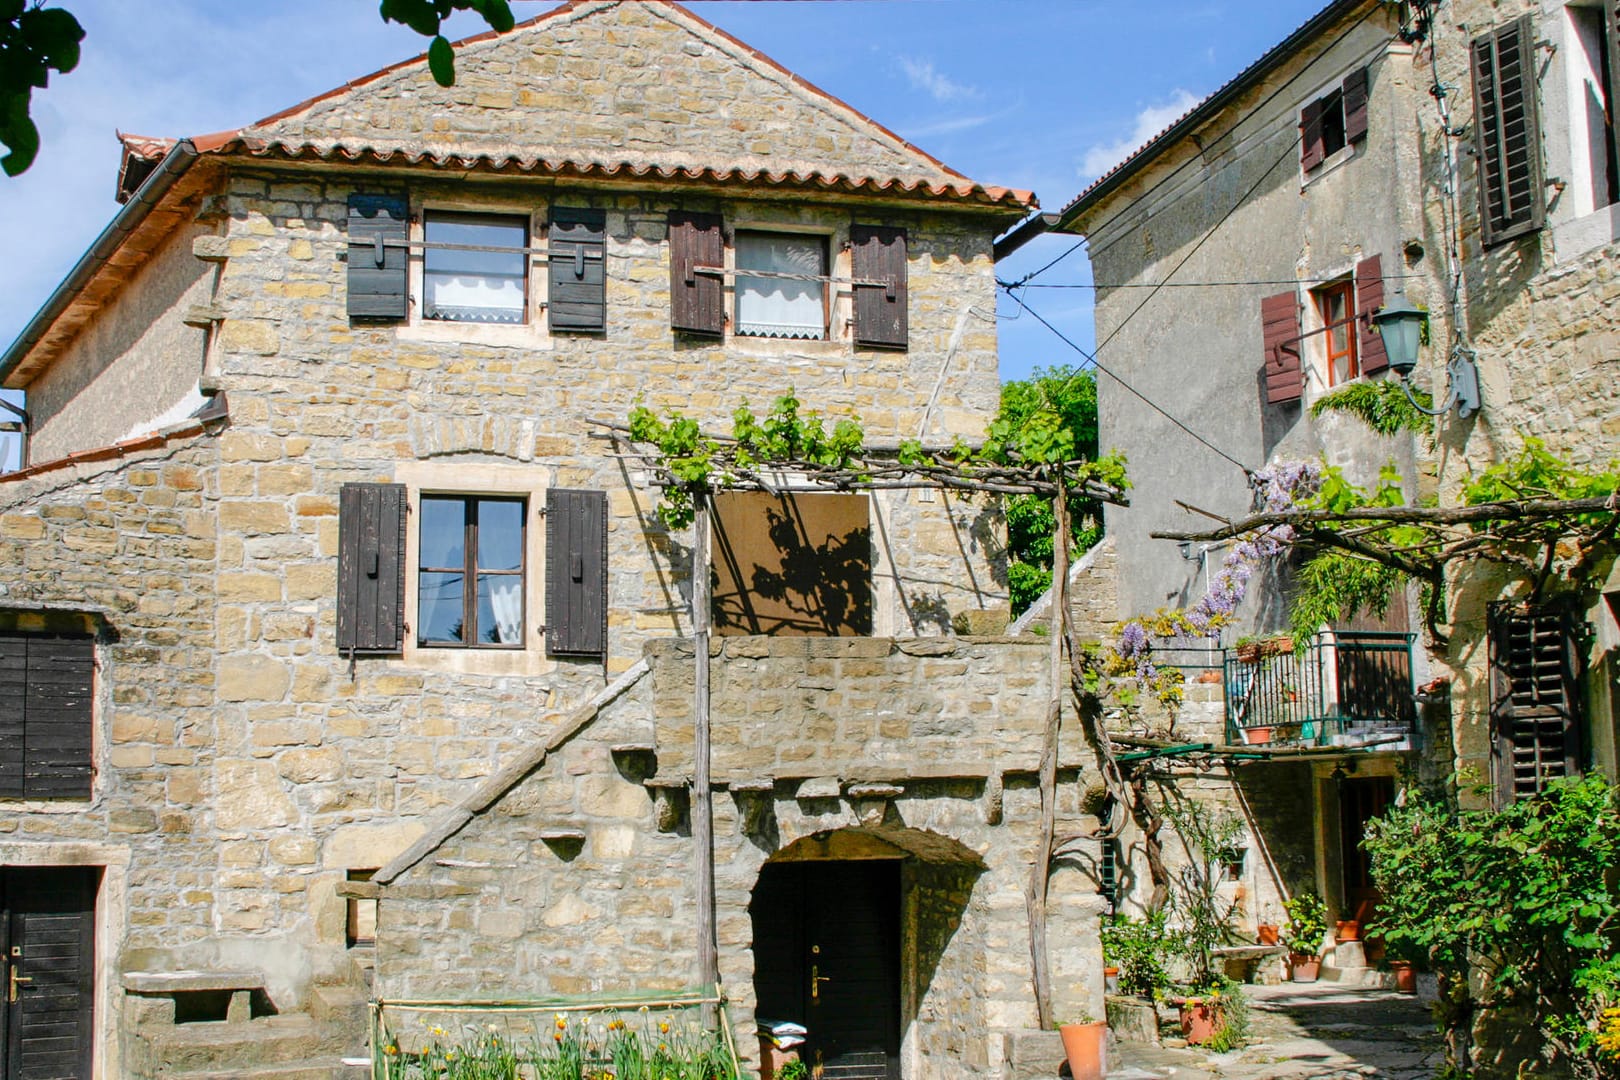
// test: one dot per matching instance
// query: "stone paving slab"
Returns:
(1320, 1031)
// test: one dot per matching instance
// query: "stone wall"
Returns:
(613, 907)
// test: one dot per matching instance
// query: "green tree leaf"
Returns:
(442, 61)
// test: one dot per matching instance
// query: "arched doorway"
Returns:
(840, 945)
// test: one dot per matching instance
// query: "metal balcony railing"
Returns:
(1347, 688)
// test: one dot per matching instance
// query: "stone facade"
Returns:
(245, 768)
(1227, 196)
(578, 879)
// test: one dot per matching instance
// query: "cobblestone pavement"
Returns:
(1320, 1031)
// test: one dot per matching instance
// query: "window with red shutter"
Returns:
(1369, 298)
(1279, 336)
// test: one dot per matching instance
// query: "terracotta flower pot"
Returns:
(1199, 1021)
(1257, 736)
(1405, 976)
(1347, 930)
(1111, 980)
(1304, 969)
(1248, 652)
(1086, 1046)
(1266, 934)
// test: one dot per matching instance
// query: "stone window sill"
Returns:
(1576, 237)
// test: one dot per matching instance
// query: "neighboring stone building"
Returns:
(320, 567)
(1298, 198)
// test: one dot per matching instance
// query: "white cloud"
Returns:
(922, 76)
(1149, 122)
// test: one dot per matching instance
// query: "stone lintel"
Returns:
(179, 982)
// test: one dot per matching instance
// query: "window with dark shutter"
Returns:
(1534, 700)
(1507, 131)
(1369, 298)
(578, 269)
(1355, 105)
(470, 572)
(378, 267)
(879, 255)
(576, 572)
(1611, 114)
(696, 299)
(47, 684)
(1279, 335)
(371, 568)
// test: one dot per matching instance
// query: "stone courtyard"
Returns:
(1319, 1031)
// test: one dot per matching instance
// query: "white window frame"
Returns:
(1581, 219)
(532, 333)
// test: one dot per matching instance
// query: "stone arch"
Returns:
(938, 970)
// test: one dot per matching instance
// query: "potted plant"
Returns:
(1307, 924)
(1257, 736)
(1085, 1044)
(1247, 649)
(1266, 933)
(1139, 948)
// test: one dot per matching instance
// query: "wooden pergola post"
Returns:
(702, 806)
(1035, 897)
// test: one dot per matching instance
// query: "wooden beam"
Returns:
(702, 802)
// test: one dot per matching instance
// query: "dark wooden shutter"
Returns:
(47, 688)
(576, 572)
(879, 254)
(1508, 132)
(1534, 700)
(1369, 298)
(13, 701)
(696, 301)
(1355, 106)
(578, 269)
(1311, 148)
(1279, 333)
(371, 568)
(378, 266)
(47, 930)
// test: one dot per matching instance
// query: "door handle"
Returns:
(16, 979)
(816, 979)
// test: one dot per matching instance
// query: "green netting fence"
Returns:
(650, 1036)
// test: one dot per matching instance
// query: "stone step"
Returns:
(344, 1005)
(318, 1069)
(227, 1048)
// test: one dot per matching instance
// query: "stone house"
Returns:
(1299, 198)
(330, 616)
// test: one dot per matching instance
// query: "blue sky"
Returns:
(1040, 94)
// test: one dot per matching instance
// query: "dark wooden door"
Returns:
(1360, 800)
(827, 955)
(47, 936)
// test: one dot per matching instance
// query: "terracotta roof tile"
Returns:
(116, 450)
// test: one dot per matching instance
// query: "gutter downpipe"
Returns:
(147, 196)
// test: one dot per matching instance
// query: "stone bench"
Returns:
(180, 996)
(1240, 961)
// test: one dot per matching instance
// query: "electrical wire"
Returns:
(1149, 402)
(1261, 104)
(1189, 284)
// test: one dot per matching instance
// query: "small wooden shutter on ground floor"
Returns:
(47, 715)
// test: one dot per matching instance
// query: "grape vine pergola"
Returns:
(788, 454)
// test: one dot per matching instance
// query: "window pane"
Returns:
(500, 609)
(475, 286)
(780, 307)
(438, 609)
(444, 533)
(500, 534)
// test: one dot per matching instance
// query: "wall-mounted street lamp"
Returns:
(1400, 324)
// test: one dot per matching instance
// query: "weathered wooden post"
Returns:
(702, 807)
(1035, 897)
